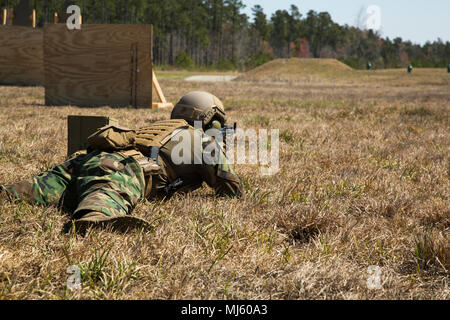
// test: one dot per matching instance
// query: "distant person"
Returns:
(410, 68)
(448, 68)
(369, 65)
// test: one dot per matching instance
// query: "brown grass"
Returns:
(364, 180)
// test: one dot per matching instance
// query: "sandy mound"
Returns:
(295, 69)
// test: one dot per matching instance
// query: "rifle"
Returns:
(177, 184)
(172, 187)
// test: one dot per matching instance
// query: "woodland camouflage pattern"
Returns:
(97, 181)
(114, 184)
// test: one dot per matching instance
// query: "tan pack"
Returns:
(112, 138)
(116, 138)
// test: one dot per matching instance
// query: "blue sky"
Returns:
(414, 20)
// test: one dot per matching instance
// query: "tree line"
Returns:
(217, 34)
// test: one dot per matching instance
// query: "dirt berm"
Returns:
(297, 69)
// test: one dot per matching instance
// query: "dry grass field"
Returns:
(363, 181)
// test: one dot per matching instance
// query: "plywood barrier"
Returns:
(98, 65)
(21, 56)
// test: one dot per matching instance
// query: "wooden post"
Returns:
(157, 87)
(34, 18)
(160, 94)
(55, 18)
(163, 102)
(5, 13)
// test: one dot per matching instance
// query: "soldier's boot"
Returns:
(120, 224)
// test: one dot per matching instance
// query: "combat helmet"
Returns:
(199, 106)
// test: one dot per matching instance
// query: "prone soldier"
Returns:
(101, 186)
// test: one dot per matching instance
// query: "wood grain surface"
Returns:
(99, 65)
(21, 56)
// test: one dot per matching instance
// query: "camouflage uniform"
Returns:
(219, 175)
(112, 183)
